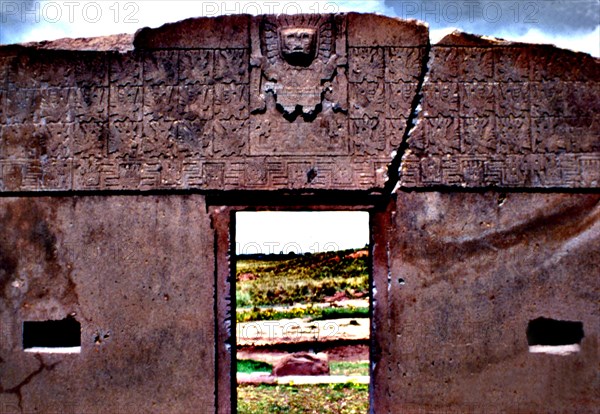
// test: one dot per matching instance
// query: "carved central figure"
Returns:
(295, 64)
(298, 45)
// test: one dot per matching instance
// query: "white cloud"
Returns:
(45, 32)
(588, 42)
(371, 6)
(50, 20)
(435, 35)
(273, 232)
(87, 18)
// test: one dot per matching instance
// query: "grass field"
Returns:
(307, 278)
(291, 399)
(348, 368)
(278, 280)
(336, 367)
(312, 312)
(248, 366)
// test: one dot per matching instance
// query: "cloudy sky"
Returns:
(573, 24)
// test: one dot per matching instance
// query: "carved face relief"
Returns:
(298, 45)
(294, 63)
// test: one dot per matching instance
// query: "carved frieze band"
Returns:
(298, 108)
(507, 117)
(257, 173)
(185, 118)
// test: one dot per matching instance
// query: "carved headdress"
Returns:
(298, 39)
(296, 55)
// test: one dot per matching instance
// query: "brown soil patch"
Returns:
(347, 353)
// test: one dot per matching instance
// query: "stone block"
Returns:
(302, 363)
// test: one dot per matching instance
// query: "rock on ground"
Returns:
(302, 363)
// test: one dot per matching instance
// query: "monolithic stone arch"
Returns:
(122, 160)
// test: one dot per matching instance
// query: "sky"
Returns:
(300, 232)
(573, 24)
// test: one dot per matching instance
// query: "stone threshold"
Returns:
(262, 378)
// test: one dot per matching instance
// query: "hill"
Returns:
(267, 280)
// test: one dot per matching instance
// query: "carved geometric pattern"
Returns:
(506, 117)
(3, 94)
(225, 117)
(55, 105)
(231, 65)
(126, 103)
(22, 106)
(161, 68)
(196, 67)
(533, 170)
(194, 102)
(136, 174)
(402, 64)
(90, 104)
(367, 99)
(231, 101)
(161, 103)
(126, 69)
(366, 65)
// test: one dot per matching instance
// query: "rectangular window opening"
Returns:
(550, 336)
(303, 311)
(52, 336)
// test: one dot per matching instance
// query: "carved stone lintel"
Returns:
(294, 63)
(303, 101)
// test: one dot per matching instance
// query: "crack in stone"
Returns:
(411, 122)
(17, 388)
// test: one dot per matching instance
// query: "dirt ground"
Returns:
(341, 339)
(290, 331)
(349, 353)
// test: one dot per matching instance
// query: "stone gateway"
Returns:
(123, 159)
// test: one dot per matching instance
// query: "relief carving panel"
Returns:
(503, 115)
(90, 139)
(196, 67)
(2, 106)
(292, 107)
(125, 69)
(126, 103)
(293, 60)
(298, 102)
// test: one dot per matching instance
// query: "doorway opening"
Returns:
(302, 311)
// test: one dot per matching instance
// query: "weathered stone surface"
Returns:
(226, 103)
(234, 105)
(369, 30)
(301, 103)
(302, 363)
(498, 114)
(141, 290)
(221, 32)
(465, 274)
(118, 43)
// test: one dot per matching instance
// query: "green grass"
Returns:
(291, 399)
(306, 278)
(249, 365)
(315, 313)
(274, 281)
(348, 368)
(336, 367)
(345, 312)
